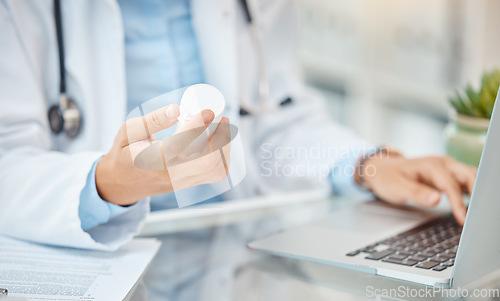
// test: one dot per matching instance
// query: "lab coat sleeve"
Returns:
(39, 188)
(40, 197)
(298, 146)
(342, 175)
(93, 210)
(301, 148)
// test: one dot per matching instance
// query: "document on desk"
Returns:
(38, 272)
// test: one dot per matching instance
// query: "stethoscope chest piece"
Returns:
(65, 115)
(67, 118)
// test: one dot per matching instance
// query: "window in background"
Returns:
(388, 66)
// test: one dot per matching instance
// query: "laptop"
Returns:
(405, 242)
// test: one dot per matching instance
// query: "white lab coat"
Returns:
(42, 175)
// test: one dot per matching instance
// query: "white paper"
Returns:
(38, 272)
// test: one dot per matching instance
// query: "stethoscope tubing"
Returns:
(58, 113)
(264, 106)
(65, 116)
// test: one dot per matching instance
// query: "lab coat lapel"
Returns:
(96, 67)
(215, 28)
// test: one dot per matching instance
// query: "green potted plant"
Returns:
(466, 131)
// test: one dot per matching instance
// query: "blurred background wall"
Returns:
(387, 67)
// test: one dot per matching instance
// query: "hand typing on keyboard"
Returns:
(396, 179)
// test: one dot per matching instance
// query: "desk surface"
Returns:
(200, 263)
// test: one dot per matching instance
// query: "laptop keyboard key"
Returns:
(438, 249)
(417, 248)
(398, 256)
(446, 255)
(412, 238)
(439, 259)
(406, 252)
(439, 268)
(428, 253)
(427, 244)
(427, 264)
(380, 255)
(407, 262)
(368, 250)
(447, 245)
(447, 264)
(418, 257)
(353, 253)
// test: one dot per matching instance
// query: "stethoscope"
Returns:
(264, 106)
(67, 117)
(64, 116)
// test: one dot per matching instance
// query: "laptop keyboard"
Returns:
(432, 245)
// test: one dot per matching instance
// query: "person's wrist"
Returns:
(366, 167)
(108, 183)
(111, 184)
(125, 186)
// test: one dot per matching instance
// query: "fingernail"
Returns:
(463, 216)
(208, 116)
(433, 198)
(171, 112)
